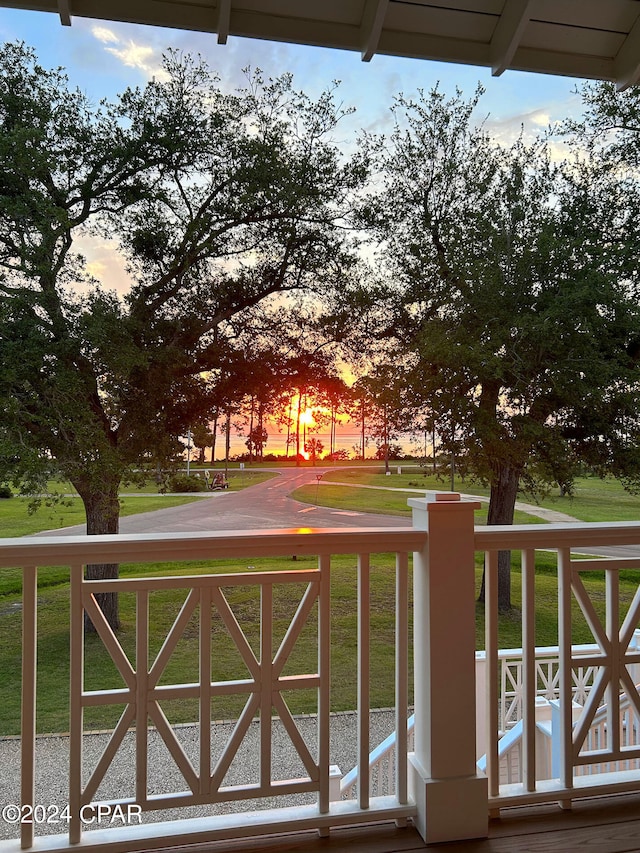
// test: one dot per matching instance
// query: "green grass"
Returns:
(594, 499)
(53, 660)
(16, 520)
(360, 500)
(386, 503)
(242, 479)
(53, 653)
(597, 500)
(237, 480)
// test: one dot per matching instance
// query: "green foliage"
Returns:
(610, 122)
(5, 492)
(337, 456)
(224, 207)
(184, 483)
(514, 298)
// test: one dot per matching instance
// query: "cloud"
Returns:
(105, 35)
(136, 54)
(530, 125)
(96, 269)
(540, 118)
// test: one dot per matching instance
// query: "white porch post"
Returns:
(451, 796)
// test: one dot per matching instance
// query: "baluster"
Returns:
(402, 674)
(29, 671)
(364, 619)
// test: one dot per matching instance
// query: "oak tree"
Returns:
(514, 294)
(220, 203)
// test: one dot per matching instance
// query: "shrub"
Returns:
(5, 492)
(182, 483)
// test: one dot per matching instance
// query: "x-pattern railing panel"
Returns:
(143, 693)
(593, 722)
(144, 686)
(612, 678)
(547, 683)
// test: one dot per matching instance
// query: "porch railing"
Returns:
(143, 684)
(510, 696)
(611, 663)
(440, 771)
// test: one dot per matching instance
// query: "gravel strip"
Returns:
(164, 777)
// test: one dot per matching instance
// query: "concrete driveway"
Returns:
(264, 506)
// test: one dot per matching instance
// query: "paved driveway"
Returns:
(266, 505)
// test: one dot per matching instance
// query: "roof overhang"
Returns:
(597, 39)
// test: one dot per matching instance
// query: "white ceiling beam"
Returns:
(65, 13)
(507, 34)
(371, 27)
(223, 21)
(627, 61)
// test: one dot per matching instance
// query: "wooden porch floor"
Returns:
(609, 825)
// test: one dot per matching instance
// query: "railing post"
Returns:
(451, 797)
(335, 777)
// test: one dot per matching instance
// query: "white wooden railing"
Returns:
(382, 766)
(143, 688)
(547, 662)
(611, 664)
(548, 750)
(439, 772)
(510, 696)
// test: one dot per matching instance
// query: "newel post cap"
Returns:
(433, 500)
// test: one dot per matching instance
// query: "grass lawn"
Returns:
(594, 499)
(15, 519)
(53, 654)
(370, 500)
(598, 500)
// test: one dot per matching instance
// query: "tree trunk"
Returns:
(289, 423)
(227, 441)
(214, 433)
(298, 429)
(502, 503)
(250, 442)
(386, 442)
(102, 508)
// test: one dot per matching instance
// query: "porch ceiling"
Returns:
(581, 38)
